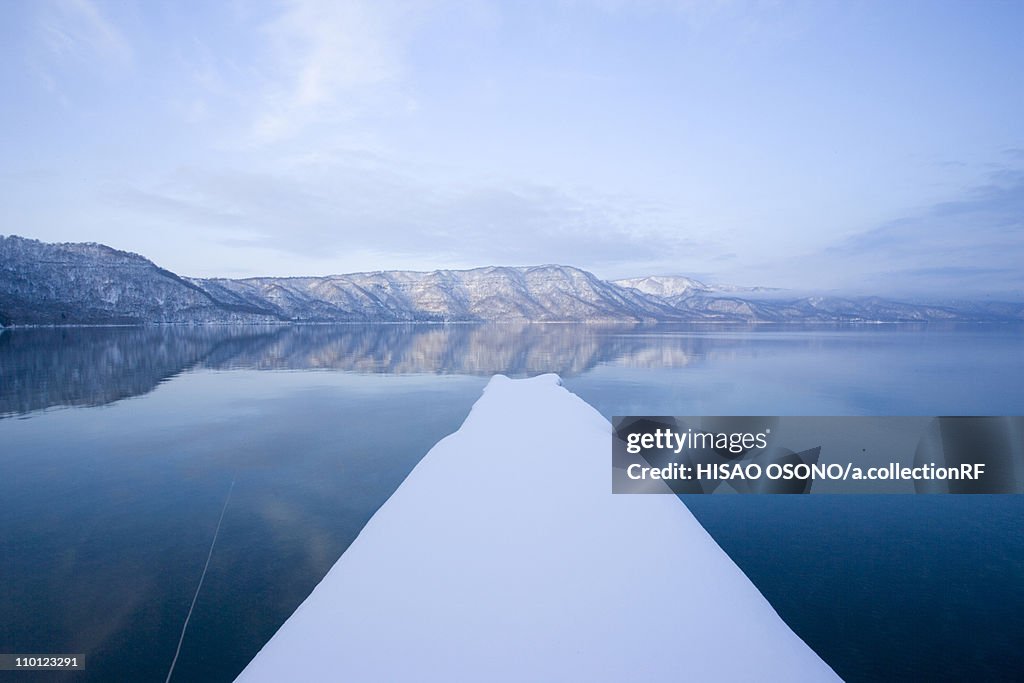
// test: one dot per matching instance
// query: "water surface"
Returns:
(119, 446)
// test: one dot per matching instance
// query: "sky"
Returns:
(857, 147)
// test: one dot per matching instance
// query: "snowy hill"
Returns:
(537, 293)
(86, 283)
(504, 556)
(668, 287)
(89, 284)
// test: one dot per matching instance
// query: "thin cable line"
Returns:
(203, 576)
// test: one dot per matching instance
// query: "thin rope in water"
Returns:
(199, 587)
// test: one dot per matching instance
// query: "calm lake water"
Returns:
(118, 447)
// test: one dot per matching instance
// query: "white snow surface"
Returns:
(504, 556)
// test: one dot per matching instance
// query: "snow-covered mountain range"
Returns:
(86, 283)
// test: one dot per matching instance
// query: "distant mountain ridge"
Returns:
(89, 284)
(675, 288)
(539, 293)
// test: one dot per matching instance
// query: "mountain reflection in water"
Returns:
(91, 366)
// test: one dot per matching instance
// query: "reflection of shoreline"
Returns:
(90, 366)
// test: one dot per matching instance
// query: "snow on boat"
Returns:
(504, 556)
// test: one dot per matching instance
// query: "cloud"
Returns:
(182, 210)
(975, 241)
(368, 212)
(333, 205)
(325, 57)
(73, 43)
(78, 30)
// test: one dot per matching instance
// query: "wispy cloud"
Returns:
(72, 40)
(78, 30)
(359, 203)
(325, 57)
(975, 241)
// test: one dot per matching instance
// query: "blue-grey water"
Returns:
(118, 446)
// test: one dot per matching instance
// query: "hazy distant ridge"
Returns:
(86, 283)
